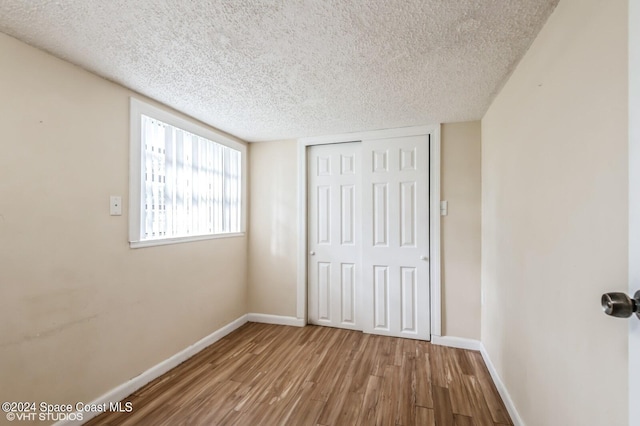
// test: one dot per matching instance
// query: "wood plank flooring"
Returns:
(277, 375)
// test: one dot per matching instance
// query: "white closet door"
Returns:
(396, 237)
(334, 270)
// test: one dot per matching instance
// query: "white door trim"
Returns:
(634, 206)
(434, 208)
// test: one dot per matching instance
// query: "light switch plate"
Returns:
(444, 208)
(115, 205)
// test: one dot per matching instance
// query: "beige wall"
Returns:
(554, 220)
(80, 312)
(273, 219)
(273, 226)
(460, 186)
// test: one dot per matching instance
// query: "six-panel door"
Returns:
(396, 237)
(334, 239)
(368, 236)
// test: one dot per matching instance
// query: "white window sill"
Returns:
(179, 240)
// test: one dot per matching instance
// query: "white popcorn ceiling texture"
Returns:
(276, 69)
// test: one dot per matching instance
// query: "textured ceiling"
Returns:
(264, 70)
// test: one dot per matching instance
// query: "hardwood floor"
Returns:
(277, 375)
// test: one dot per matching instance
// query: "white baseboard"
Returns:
(276, 319)
(502, 389)
(126, 389)
(476, 345)
(456, 342)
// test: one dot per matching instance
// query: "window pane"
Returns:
(191, 185)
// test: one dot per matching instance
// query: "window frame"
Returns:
(138, 108)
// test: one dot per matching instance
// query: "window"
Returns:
(187, 182)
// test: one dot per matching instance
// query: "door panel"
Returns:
(348, 296)
(324, 291)
(407, 214)
(395, 219)
(333, 263)
(348, 212)
(408, 307)
(381, 297)
(323, 208)
(380, 210)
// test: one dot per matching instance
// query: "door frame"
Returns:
(634, 206)
(434, 211)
